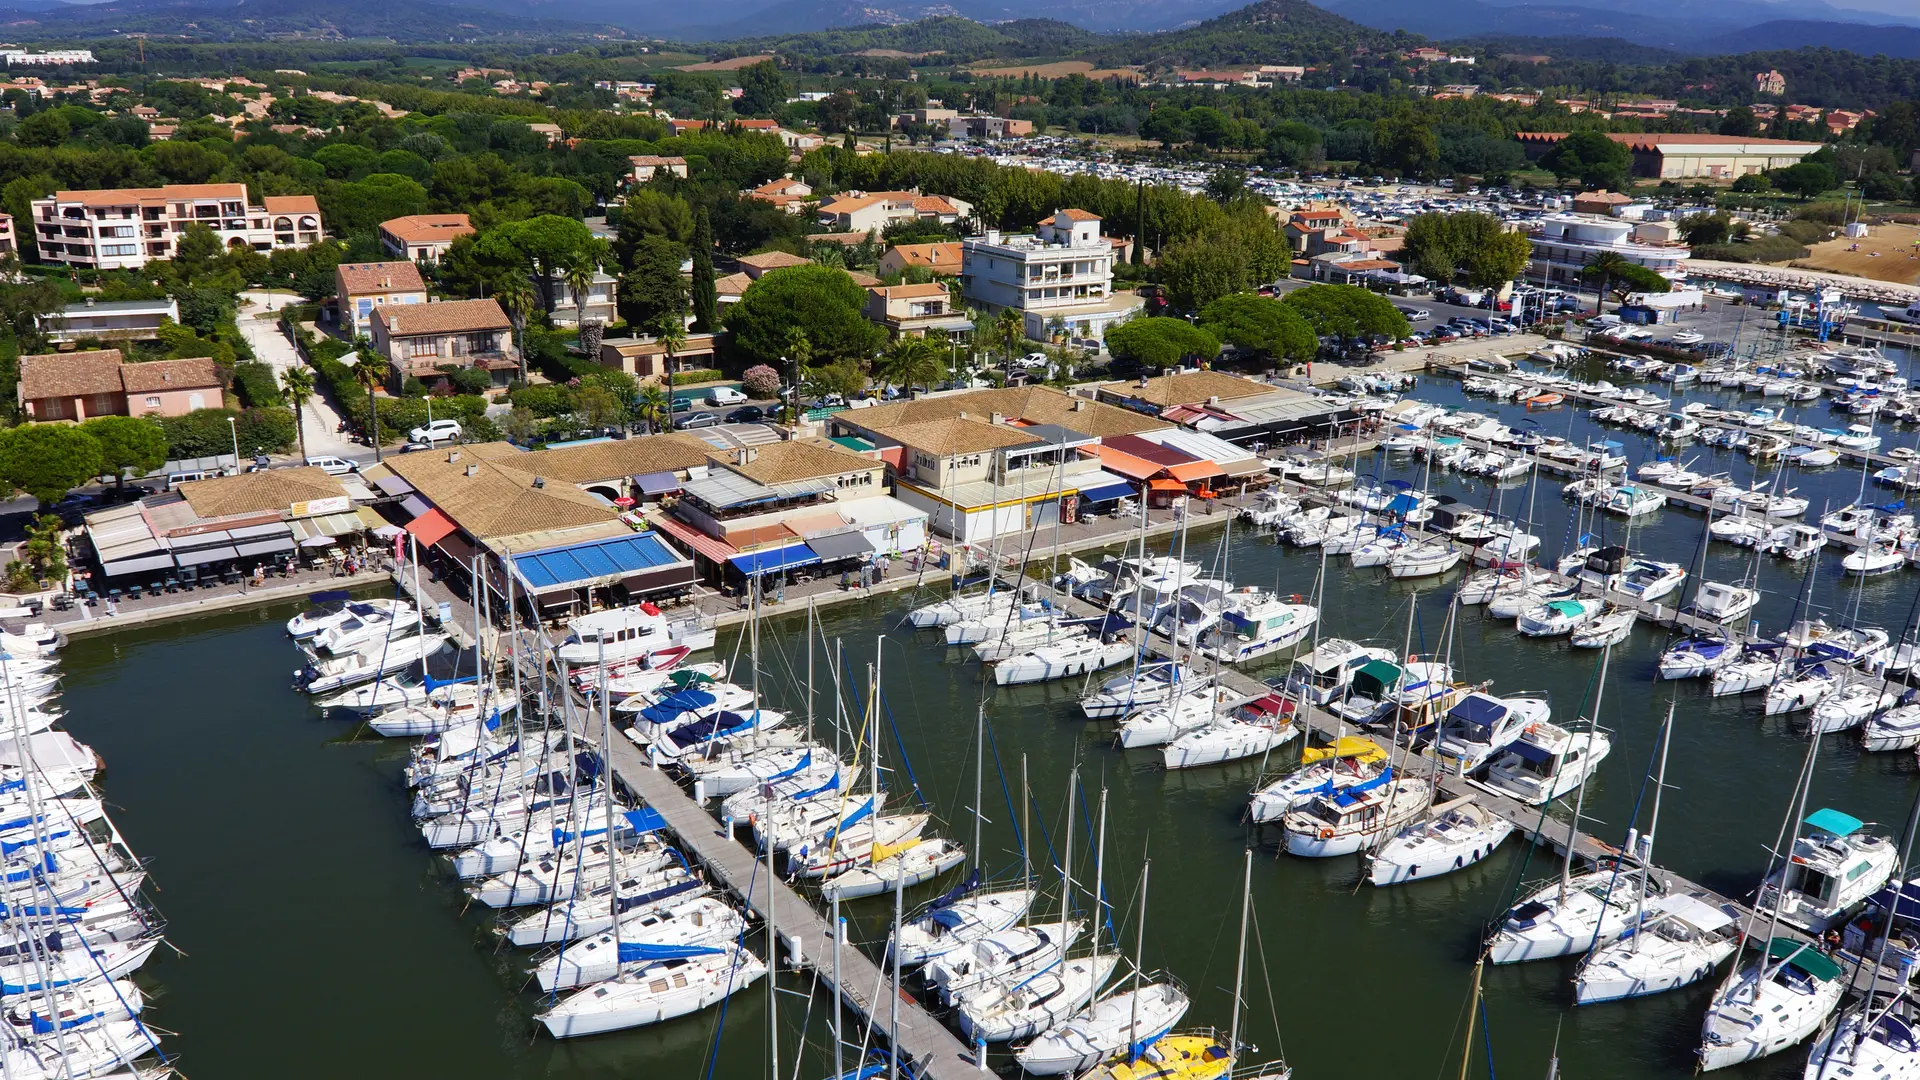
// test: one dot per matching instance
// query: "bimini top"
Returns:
(1829, 820)
(1568, 608)
(1804, 956)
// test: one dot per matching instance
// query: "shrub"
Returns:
(543, 401)
(760, 381)
(204, 432)
(696, 375)
(254, 382)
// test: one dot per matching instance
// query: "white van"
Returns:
(333, 466)
(725, 395)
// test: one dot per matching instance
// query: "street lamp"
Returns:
(234, 430)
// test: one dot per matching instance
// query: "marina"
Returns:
(1187, 821)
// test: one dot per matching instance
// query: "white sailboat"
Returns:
(1453, 836)
(654, 993)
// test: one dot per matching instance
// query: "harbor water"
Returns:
(321, 939)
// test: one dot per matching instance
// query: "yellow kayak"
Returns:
(1171, 1057)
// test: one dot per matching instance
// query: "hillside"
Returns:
(1900, 42)
(1267, 32)
(1471, 18)
(950, 36)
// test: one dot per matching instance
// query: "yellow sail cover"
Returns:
(882, 852)
(1171, 1057)
(1347, 746)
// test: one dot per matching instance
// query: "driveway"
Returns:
(261, 328)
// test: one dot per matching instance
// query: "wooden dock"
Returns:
(926, 1047)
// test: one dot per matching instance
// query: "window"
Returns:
(117, 230)
(120, 249)
(423, 347)
(153, 402)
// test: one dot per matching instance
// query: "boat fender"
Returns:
(1326, 834)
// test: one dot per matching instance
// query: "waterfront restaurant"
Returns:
(801, 508)
(547, 544)
(227, 525)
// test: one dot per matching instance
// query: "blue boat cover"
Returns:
(799, 766)
(560, 567)
(1349, 796)
(1478, 709)
(645, 820)
(1105, 492)
(1829, 820)
(632, 952)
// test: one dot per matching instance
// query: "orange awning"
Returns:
(431, 527)
(1165, 485)
(1127, 465)
(1188, 471)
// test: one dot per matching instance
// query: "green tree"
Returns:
(542, 246)
(43, 557)
(760, 381)
(48, 460)
(653, 288)
(1702, 229)
(1591, 158)
(1160, 342)
(127, 442)
(1807, 179)
(1347, 311)
(194, 255)
(1752, 183)
(1405, 142)
(579, 279)
(909, 361)
(822, 303)
(516, 296)
(359, 206)
(843, 377)
(298, 384)
(701, 292)
(1612, 271)
(369, 370)
(1499, 259)
(653, 408)
(1260, 325)
(1740, 121)
(763, 89)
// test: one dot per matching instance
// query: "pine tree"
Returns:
(706, 302)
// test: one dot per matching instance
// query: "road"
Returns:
(318, 418)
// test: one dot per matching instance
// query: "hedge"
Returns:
(204, 432)
(254, 382)
(696, 375)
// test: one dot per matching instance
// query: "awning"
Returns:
(1190, 471)
(698, 542)
(455, 547)
(392, 484)
(594, 563)
(656, 483)
(754, 563)
(1126, 464)
(332, 524)
(205, 555)
(836, 546)
(139, 564)
(429, 527)
(1166, 485)
(415, 505)
(261, 532)
(268, 546)
(1107, 492)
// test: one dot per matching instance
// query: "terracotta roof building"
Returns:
(361, 287)
(943, 259)
(423, 237)
(80, 385)
(121, 228)
(1673, 156)
(419, 339)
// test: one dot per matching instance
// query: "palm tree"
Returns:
(1603, 267)
(671, 332)
(579, 278)
(1010, 329)
(656, 408)
(910, 361)
(366, 372)
(516, 295)
(799, 351)
(298, 383)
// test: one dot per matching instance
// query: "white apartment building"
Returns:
(1061, 274)
(51, 56)
(122, 228)
(1566, 242)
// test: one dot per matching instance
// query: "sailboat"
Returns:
(1349, 760)
(1453, 836)
(656, 992)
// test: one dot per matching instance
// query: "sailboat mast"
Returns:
(1240, 963)
(1653, 823)
(979, 777)
(810, 629)
(839, 932)
(1026, 832)
(1139, 946)
(893, 999)
(1066, 852)
(1099, 878)
(1579, 799)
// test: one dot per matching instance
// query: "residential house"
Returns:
(943, 259)
(423, 237)
(857, 211)
(929, 116)
(1769, 83)
(645, 357)
(786, 193)
(988, 127)
(552, 132)
(122, 228)
(419, 339)
(917, 311)
(729, 289)
(1303, 225)
(647, 166)
(1059, 276)
(81, 385)
(1602, 202)
(601, 299)
(110, 320)
(758, 266)
(800, 141)
(358, 288)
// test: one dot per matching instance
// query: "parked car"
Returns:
(698, 420)
(437, 431)
(334, 466)
(1416, 314)
(682, 404)
(747, 414)
(1033, 361)
(726, 395)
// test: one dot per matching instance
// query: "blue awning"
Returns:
(656, 483)
(594, 562)
(1106, 492)
(755, 563)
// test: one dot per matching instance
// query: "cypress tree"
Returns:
(706, 302)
